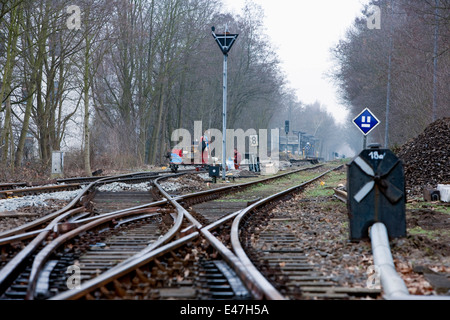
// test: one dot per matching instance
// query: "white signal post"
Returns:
(225, 42)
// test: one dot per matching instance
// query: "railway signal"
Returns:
(286, 126)
(225, 42)
(376, 193)
(286, 130)
(366, 122)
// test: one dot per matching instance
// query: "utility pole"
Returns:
(225, 42)
(436, 36)
(388, 94)
(286, 129)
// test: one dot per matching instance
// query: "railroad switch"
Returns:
(376, 193)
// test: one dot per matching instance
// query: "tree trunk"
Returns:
(87, 154)
(24, 131)
(157, 129)
(7, 79)
(6, 131)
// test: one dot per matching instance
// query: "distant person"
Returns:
(205, 145)
(237, 159)
(175, 158)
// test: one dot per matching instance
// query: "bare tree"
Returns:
(416, 84)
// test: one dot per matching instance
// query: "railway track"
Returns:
(19, 245)
(82, 199)
(20, 192)
(270, 240)
(20, 189)
(214, 244)
(14, 189)
(206, 227)
(74, 223)
(283, 257)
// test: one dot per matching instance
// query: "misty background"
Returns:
(111, 92)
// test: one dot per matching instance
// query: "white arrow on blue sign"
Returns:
(366, 121)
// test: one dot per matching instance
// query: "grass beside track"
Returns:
(262, 190)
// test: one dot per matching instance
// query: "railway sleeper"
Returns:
(18, 289)
(219, 281)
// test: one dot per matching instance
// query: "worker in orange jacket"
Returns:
(237, 159)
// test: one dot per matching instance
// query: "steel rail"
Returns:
(44, 219)
(181, 213)
(240, 263)
(230, 188)
(247, 278)
(49, 217)
(115, 273)
(143, 258)
(226, 254)
(186, 197)
(168, 235)
(89, 223)
(35, 190)
(270, 292)
(10, 186)
(148, 254)
(136, 262)
(112, 213)
(42, 257)
(22, 236)
(12, 267)
(75, 222)
(255, 287)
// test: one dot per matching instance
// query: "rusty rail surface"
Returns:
(269, 291)
(81, 225)
(76, 201)
(38, 190)
(340, 194)
(257, 289)
(52, 226)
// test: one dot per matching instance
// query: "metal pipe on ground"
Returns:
(393, 285)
